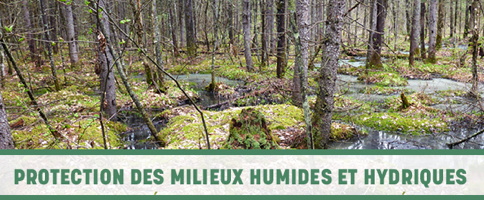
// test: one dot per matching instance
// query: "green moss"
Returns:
(415, 99)
(381, 90)
(397, 122)
(84, 134)
(451, 93)
(382, 78)
(185, 131)
(342, 132)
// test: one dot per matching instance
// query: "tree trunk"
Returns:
(247, 38)
(191, 37)
(230, 20)
(423, 52)
(160, 78)
(281, 38)
(451, 16)
(408, 23)
(466, 19)
(264, 36)
(3, 67)
(34, 56)
(45, 24)
(302, 16)
(432, 32)
(270, 25)
(474, 42)
(322, 116)
(176, 51)
(215, 10)
(181, 20)
(70, 33)
(440, 24)
(414, 34)
(106, 63)
(378, 16)
(6, 141)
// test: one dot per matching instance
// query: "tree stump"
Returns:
(249, 131)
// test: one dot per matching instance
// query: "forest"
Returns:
(242, 74)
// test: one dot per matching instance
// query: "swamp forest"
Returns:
(241, 74)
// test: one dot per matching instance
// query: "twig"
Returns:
(451, 145)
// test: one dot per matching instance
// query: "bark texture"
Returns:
(70, 33)
(247, 37)
(378, 16)
(323, 113)
(432, 31)
(106, 63)
(6, 141)
(415, 32)
(281, 38)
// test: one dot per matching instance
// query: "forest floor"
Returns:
(74, 110)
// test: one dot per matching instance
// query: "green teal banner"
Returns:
(260, 173)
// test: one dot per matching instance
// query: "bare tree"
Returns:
(247, 38)
(414, 34)
(323, 113)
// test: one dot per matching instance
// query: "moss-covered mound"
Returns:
(185, 131)
(250, 131)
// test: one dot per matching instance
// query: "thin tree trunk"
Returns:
(247, 38)
(264, 36)
(181, 21)
(106, 63)
(474, 42)
(176, 51)
(3, 68)
(6, 140)
(322, 116)
(215, 10)
(440, 24)
(408, 23)
(423, 52)
(466, 19)
(451, 16)
(230, 13)
(160, 78)
(414, 34)
(432, 31)
(30, 38)
(302, 14)
(281, 40)
(48, 45)
(191, 37)
(270, 25)
(379, 12)
(70, 33)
